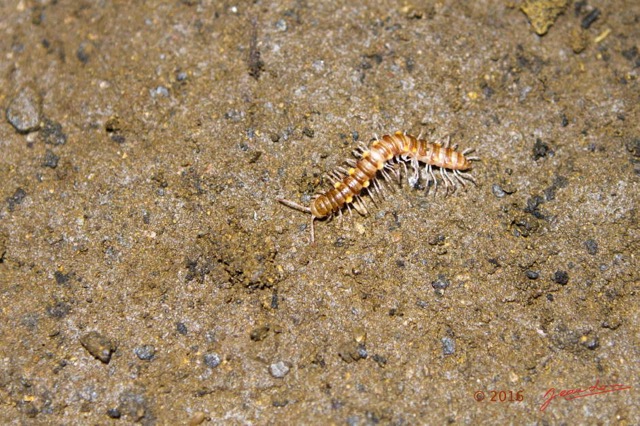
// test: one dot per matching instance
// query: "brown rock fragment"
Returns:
(98, 345)
(543, 13)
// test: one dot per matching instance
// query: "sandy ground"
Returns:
(148, 274)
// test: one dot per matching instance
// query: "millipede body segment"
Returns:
(386, 156)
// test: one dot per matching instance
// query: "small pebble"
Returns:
(84, 52)
(590, 18)
(540, 149)
(50, 159)
(498, 191)
(114, 413)
(561, 277)
(380, 360)
(160, 91)
(532, 275)
(279, 369)
(362, 352)
(592, 246)
(61, 278)
(181, 76)
(24, 111)
(181, 328)
(281, 25)
(145, 352)
(441, 283)
(308, 132)
(98, 346)
(448, 346)
(52, 133)
(16, 199)
(212, 360)
(590, 342)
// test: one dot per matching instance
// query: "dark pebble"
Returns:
(561, 277)
(592, 246)
(98, 346)
(17, 198)
(540, 149)
(50, 159)
(114, 413)
(441, 283)
(61, 278)
(212, 360)
(308, 132)
(448, 346)
(52, 133)
(379, 359)
(118, 138)
(24, 111)
(550, 297)
(591, 342)
(590, 18)
(532, 275)
(145, 352)
(362, 352)
(181, 328)
(84, 52)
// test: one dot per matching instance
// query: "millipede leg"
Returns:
(313, 236)
(456, 174)
(372, 196)
(360, 207)
(376, 187)
(294, 205)
(468, 177)
(445, 180)
(435, 181)
(415, 176)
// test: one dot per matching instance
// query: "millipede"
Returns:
(388, 156)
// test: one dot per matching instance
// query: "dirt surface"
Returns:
(148, 274)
